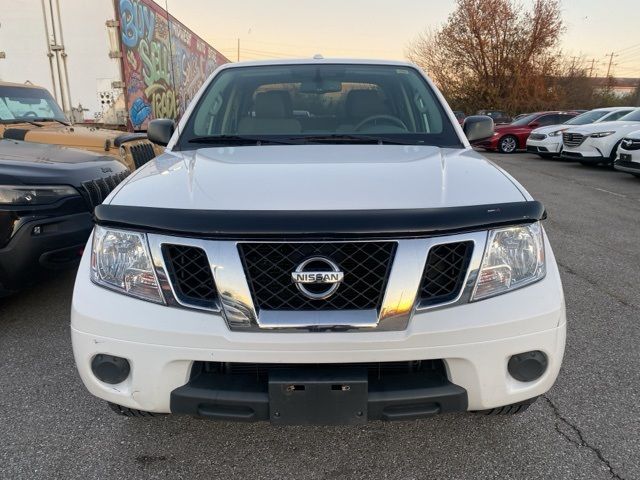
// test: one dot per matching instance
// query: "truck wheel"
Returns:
(508, 144)
(512, 409)
(130, 412)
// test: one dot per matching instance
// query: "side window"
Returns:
(564, 118)
(616, 115)
(546, 120)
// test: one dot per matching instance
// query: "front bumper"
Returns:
(42, 245)
(488, 144)
(546, 146)
(628, 166)
(592, 150)
(474, 341)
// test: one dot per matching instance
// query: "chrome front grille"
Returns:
(366, 267)
(95, 191)
(572, 140)
(251, 284)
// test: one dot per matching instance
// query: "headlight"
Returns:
(513, 258)
(120, 260)
(601, 134)
(34, 195)
(557, 132)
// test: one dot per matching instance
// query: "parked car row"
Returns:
(52, 176)
(603, 136)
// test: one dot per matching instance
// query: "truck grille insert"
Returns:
(444, 272)
(142, 153)
(366, 267)
(95, 191)
(572, 139)
(190, 275)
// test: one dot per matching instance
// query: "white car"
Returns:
(547, 141)
(628, 157)
(598, 143)
(360, 263)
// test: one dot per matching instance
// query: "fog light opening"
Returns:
(528, 366)
(110, 369)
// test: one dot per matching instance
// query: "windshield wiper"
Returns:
(241, 140)
(348, 138)
(22, 120)
(43, 119)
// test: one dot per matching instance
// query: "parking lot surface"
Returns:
(586, 427)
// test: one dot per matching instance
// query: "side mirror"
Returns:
(534, 124)
(160, 131)
(478, 127)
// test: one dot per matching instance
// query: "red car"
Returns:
(513, 136)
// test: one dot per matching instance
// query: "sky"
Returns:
(383, 28)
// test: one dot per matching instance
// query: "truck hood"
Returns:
(37, 163)
(318, 177)
(619, 126)
(93, 138)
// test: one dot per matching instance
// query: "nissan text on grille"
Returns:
(318, 244)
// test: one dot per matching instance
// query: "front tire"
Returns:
(513, 409)
(508, 144)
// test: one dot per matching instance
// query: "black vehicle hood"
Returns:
(38, 163)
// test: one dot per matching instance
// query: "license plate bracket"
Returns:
(318, 397)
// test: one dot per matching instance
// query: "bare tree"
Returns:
(494, 54)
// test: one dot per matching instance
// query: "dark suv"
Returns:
(47, 197)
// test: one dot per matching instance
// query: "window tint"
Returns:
(616, 115)
(546, 120)
(633, 116)
(304, 101)
(587, 117)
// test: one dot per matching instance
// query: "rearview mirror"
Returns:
(160, 131)
(478, 127)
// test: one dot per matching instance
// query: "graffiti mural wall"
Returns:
(164, 62)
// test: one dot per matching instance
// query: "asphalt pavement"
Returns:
(586, 427)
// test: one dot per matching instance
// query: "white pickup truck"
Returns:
(319, 244)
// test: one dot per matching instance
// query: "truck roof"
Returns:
(317, 59)
(23, 85)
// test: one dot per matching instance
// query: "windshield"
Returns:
(328, 103)
(587, 117)
(28, 104)
(631, 117)
(525, 120)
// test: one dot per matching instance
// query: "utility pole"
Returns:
(593, 61)
(611, 55)
(238, 48)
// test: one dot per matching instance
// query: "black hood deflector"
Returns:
(244, 224)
